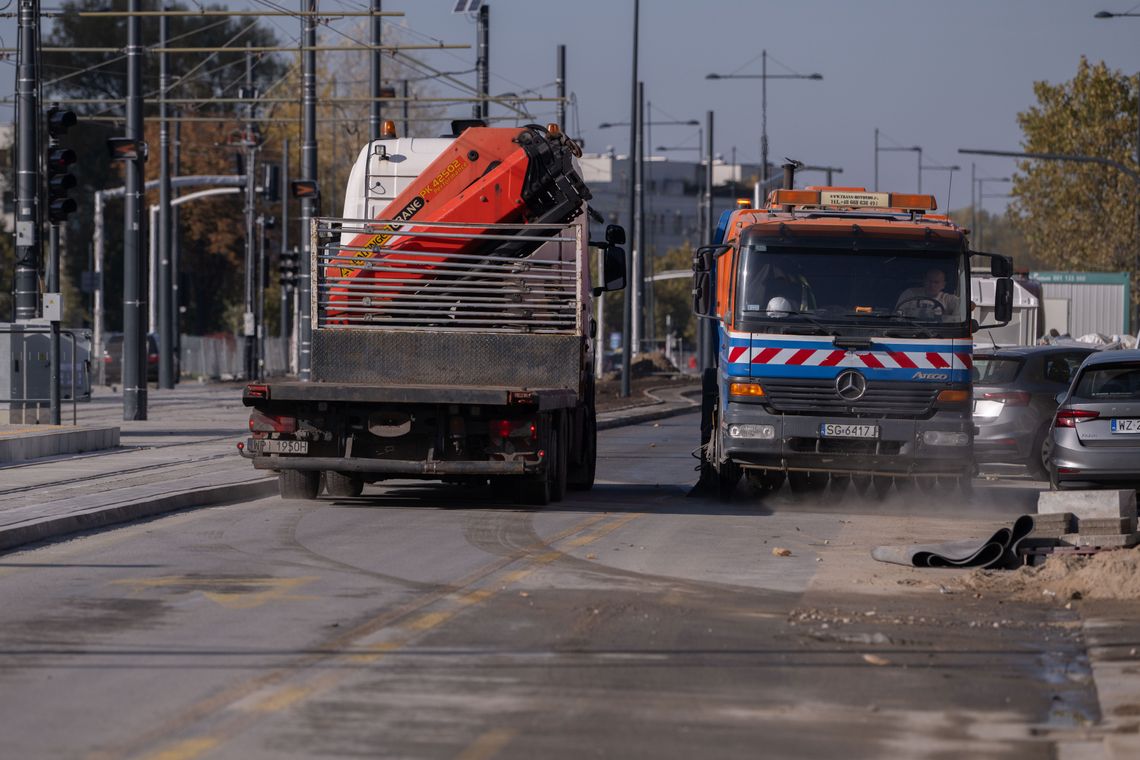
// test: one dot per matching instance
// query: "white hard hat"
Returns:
(780, 306)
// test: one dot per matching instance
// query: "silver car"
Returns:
(1096, 432)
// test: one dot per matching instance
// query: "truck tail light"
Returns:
(1070, 417)
(503, 429)
(262, 422)
(1009, 398)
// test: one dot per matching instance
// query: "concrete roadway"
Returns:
(425, 621)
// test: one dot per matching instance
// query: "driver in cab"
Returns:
(929, 299)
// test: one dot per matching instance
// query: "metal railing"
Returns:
(72, 370)
(460, 277)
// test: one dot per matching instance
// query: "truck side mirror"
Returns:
(615, 234)
(1001, 266)
(702, 294)
(1003, 299)
(613, 271)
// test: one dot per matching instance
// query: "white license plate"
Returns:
(266, 446)
(1126, 426)
(838, 430)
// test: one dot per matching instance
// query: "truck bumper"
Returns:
(389, 466)
(903, 446)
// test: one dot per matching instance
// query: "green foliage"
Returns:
(674, 298)
(997, 233)
(1078, 216)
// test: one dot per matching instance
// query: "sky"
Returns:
(943, 75)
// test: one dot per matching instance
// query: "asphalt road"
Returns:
(426, 621)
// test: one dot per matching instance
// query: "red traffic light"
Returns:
(58, 159)
(59, 122)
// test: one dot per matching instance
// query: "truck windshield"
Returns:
(924, 290)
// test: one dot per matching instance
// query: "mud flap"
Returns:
(708, 484)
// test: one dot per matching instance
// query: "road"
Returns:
(426, 621)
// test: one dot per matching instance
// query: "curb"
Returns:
(56, 527)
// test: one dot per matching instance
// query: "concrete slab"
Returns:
(1102, 541)
(23, 443)
(1102, 525)
(1089, 504)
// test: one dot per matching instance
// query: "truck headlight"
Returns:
(943, 438)
(762, 432)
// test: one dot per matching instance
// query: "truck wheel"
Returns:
(299, 484)
(582, 478)
(556, 468)
(343, 484)
(764, 482)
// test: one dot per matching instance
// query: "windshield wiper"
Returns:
(817, 328)
(918, 328)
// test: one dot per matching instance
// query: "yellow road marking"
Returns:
(376, 651)
(231, 593)
(186, 750)
(488, 745)
(428, 621)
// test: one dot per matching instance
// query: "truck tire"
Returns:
(299, 484)
(343, 484)
(560, 452)
(581, 478)
(535, 490)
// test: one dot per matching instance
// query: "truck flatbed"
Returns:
(541, 399)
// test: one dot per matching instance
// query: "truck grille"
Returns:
(882, 399)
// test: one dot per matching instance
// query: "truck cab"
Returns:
(844, 342)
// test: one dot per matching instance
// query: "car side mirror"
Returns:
(613, 270)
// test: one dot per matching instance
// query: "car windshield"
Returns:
(994, 370)
(1109, 382)
(838, 286)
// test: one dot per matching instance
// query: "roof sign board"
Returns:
(854, 200)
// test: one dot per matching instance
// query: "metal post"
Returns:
(560, 87)
(627, 314)
(639, 250)
(259, 304)
(286, 328)
(876, 159)
(374, 78)
(97, 309)
(973, 198)
(600, 343)
(176, 251)
(26, 285)
(704, 326)
(405, 108)
(165, 278)
(919, 148)
(308, 171)
(483, 64)
(134, 331)
(250, 326)
(763, 123)
(53, 340)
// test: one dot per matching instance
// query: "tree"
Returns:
(1081, 216)
(998, 233)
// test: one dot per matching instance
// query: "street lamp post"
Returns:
(764, 76)
(937, 168)
(879, 149)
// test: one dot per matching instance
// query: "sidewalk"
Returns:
(182, 456)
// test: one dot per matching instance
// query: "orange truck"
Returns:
(844, 343)
(452, 336)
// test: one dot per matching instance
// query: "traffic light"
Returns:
(59, 160)
(289, 267)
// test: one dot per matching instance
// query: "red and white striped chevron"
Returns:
(834, 357)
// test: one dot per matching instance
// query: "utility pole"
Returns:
(176, 251)
(641, 251)
(287, 289)
(26, 284)
(483, 63)
(705, 326)
(165, 276)
(134, 330)
(249, 317)
(560, 87)
(876, 159)
(627, 312)
(308, 171)
(374, 77)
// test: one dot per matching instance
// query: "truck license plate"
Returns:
(838, 430)
(266, 446)
(1126, 426)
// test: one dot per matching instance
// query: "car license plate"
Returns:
(1126, 426)
(838, 430)
(267, 446)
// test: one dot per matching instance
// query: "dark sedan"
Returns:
(1015, 397)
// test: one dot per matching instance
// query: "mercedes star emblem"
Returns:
(850, 385)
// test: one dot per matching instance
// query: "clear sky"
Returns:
(943, 75)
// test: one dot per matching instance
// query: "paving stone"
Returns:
(1103, 525)
(1089, 504)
